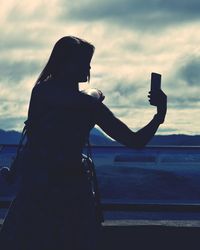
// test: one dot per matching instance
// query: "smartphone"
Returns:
(155, 81)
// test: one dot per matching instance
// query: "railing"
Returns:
(191, 154)
(137, 207)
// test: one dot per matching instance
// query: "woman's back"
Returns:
(59, 121)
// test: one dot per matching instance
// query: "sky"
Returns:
(132, 38)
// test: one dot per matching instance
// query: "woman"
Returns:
(54, 208)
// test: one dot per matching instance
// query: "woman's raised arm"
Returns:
(120, 132)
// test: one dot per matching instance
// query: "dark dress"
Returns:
(54, 208)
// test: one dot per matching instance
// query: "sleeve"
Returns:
(114, 127)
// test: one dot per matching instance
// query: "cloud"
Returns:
(15, 40)
(122, 88)
(182, 86)
(183, 102)
(133, 13)
(12, 123)
(190, 72)
(34, 11)
(13, 72)
(122, 92)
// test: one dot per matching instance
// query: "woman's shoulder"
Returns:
(94, 94)
(95, 99)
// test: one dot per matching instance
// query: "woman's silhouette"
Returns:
(54, 208)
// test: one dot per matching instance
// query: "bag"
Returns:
(89, 168)
(12, 174)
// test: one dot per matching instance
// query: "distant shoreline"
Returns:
(98, 138)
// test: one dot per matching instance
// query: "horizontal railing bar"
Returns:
(137, 207)
(151, 207)
(122, 146)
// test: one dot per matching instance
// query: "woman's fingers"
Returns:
(157, 98)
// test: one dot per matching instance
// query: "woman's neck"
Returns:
(68, 84)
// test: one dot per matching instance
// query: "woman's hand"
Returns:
(159, 99)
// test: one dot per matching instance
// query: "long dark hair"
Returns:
(67, 50)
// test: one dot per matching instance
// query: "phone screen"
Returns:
(155, 81)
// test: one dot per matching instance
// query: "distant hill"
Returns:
(98, 138)
(9, 137)
(176, 140)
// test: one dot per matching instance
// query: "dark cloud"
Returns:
(123, 88)
(15, 71)
(124, 94)
(190, 72)
(182, 102)
(133, 13)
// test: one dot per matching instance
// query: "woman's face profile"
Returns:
(84, 73)
(77, 68)
(83, 69)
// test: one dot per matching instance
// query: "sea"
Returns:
(154, 175)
